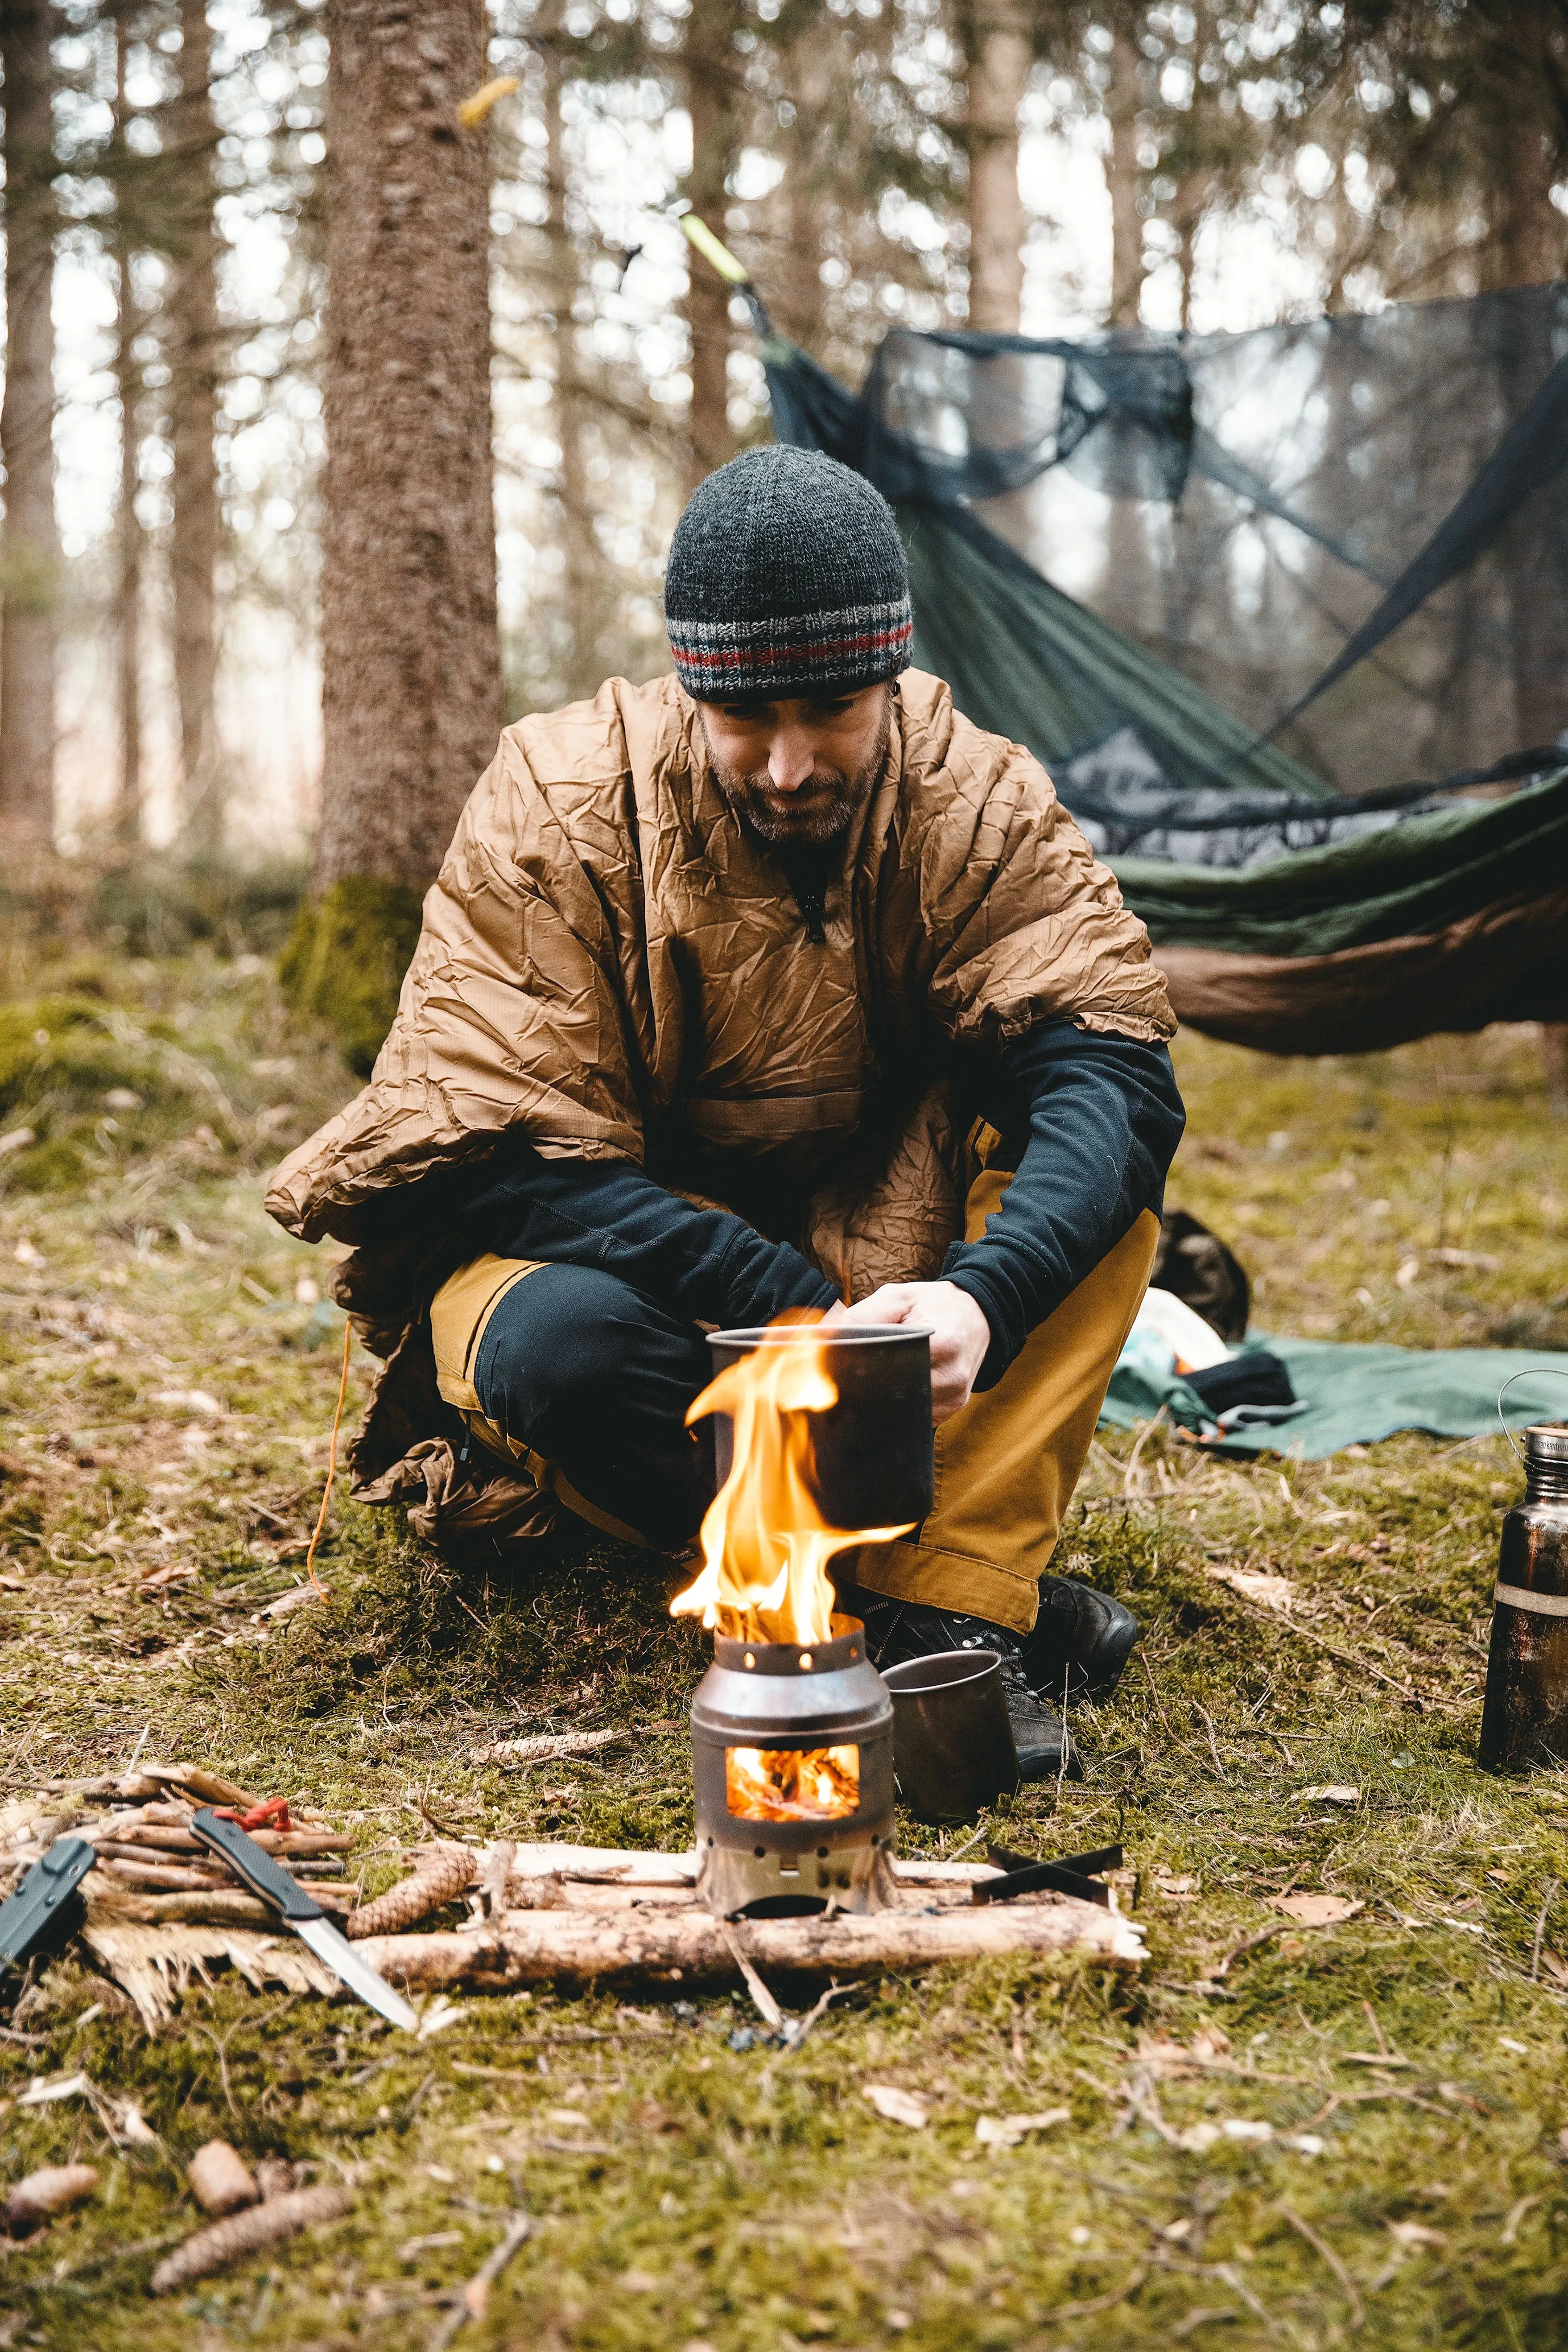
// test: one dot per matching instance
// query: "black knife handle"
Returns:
(44, 1902)
(260, 1873)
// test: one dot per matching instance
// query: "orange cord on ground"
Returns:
(331, 1465)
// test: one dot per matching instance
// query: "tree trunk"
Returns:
(811, 69)
(411, 658)
(1520, 146)
(712, 95)
(193, 358)
(999, 60)
(31, 545)
(1122, 179)
(577, 529)
(1525, 249)
(128, 528)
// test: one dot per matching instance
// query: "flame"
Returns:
(791, 1784)
(765, 1545)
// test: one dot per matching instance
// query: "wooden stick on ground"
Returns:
(766, 2006)
(477, 2294)
(680, 1946)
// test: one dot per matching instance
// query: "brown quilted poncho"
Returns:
(611, 964)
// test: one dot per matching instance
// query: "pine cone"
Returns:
(441, 1872)
(248, 2232)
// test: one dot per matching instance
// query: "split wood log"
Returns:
(221, 1906)
(164, 1877)
(221, 2181)
(689, 1946)
(54, 2190)
(167, 1837)
(606, 1863)
(247, 2233)
(627, 1866)
(209, 1788)
(590, 1894)
(544, 1746)
(442, 1871)
(131, 1786)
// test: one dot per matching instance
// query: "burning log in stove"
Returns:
(792, 1727)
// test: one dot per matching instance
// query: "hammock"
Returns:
(1356, 532)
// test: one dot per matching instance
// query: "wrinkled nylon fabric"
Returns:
(611, 969)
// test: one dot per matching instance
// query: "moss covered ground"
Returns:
(167, 1374)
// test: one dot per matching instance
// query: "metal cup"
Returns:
(953, 1752)
(873, 1464)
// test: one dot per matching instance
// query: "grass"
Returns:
(167, 1375)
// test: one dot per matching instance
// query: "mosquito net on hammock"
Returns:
(1285, 613)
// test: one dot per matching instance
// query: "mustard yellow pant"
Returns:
(1006, 1463)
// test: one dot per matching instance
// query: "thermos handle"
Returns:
(1530, 1372)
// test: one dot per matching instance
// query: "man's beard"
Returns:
(818, 811)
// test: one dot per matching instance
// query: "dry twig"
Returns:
(477, 2294)
(1352, 2294)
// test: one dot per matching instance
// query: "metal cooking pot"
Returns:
(873, 1462)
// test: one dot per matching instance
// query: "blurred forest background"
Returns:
(238, 233)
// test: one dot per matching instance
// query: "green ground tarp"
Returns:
(1356, 1394)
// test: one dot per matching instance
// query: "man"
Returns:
(775, 984)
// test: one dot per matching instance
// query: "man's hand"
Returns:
(960, 1334)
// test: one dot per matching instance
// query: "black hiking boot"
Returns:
(897, 1631)
(1081, 1641)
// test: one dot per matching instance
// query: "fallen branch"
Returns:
(441, 1873)
(762, 2002)
(1327, 2253)
(247, 2233)
(526, 1948)
(477, 2294)
(221, 1907)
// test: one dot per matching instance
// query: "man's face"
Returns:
(798, 769)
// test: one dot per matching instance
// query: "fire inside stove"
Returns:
(792, 1728)
(791, 1784)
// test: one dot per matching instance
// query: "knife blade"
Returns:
(302, 1913)
(45, 1907)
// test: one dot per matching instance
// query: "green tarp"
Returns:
(1356, 1394)
(1025, 660)
(1414, 876)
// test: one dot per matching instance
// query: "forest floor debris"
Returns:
(725, 2188)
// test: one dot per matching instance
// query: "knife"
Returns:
(45, 1907)
(302, 1913)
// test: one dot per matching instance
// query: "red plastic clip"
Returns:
(272, 1814)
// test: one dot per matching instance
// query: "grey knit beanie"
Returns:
(786, 576)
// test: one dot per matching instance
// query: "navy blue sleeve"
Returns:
(1104, 1120)
(704, 1264)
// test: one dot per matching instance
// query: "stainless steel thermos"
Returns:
(1525, 1718)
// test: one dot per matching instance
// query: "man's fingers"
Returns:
(885, 1305)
